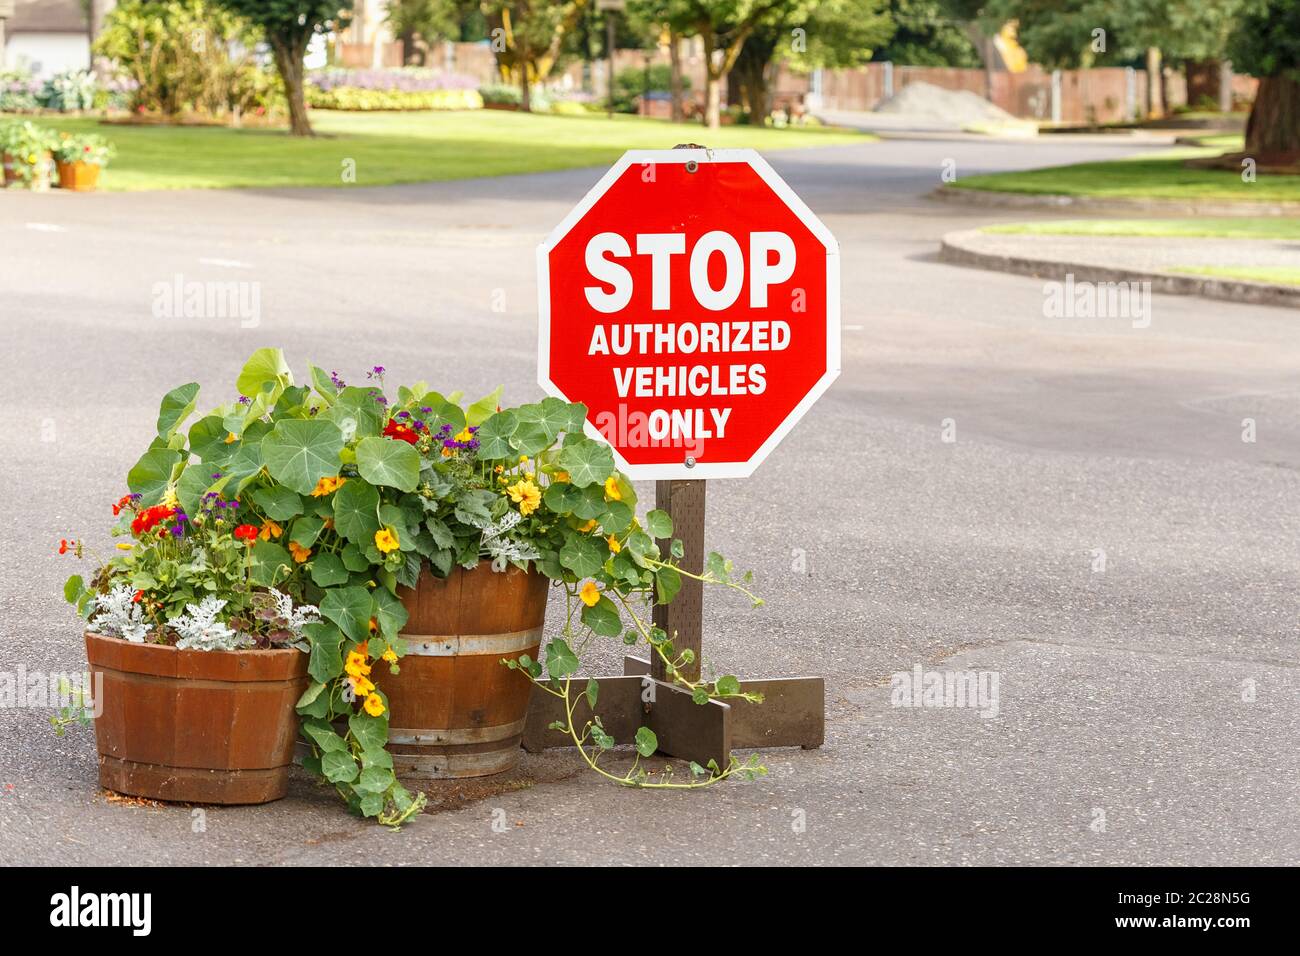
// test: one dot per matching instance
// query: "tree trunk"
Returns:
(1273, 130)
(712, 100)
(288, 59)
(1203, 77)
(675, 81)
(1155, 83)
(525, 91)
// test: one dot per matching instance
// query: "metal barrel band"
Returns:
(455, 736)
(456, 645)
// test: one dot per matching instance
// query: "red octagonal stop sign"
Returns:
(691, 301)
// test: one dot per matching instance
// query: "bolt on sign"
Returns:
(691, 301)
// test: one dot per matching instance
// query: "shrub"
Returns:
(183, 55)
(631, 82)
(500, 95)
(351, 98)
(69, 91)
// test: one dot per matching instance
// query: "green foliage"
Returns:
(925, 34)
(1266, 41)
(353, 98)
(184, 55)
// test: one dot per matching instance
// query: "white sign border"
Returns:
(703, 469)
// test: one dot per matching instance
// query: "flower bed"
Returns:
(308, 516)
(408, 88)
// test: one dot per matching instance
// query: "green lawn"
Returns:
(1239, 228)
(1159, 176)
(403, 147)
(1278, 275)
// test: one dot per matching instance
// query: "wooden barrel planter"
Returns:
(195, 726)
(455, 710)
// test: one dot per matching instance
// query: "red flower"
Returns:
(247, 532)
(138, 596)
(121, 503)
(63, 546)
(146, 520)
(395, 429)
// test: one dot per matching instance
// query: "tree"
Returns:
(289, 26)
(528, 37)
(925, 34)
(829, 33)
(417, 23)
(1266, 43)
(723, 26)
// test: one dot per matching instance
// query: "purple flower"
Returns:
(403, 414)
(419, 425)
(245, 400)
(376, 372)
(216, 475)
(473, 429)
(338, 382)
(425, 410)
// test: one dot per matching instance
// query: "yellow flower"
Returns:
(300, 554)
(374, 705)
(527, 495)
(590, 594)
(499, 468)
(464, 435)
(390, 655)
(584, 528)
(522, 459)
(386, 540)
(361, 686)
(231, 438)
(356, 665)
(611, 489)
(614, 546)
(123, 546)
(327, 486)
(560, 476)
(31, 160)
(169, 497)
(271, 530)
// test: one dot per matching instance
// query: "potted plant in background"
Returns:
(27, 152)
(80, 158)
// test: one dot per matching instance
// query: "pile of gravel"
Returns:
(927, 101)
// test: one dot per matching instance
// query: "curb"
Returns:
(956, 248)
(987, 198)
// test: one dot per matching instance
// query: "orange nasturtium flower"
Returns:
(588, 526)
(356, 665)
(614, 546)
(300, 554)
(361, 686)
(327, 486)
(389, 655)
(611, 489)
(590, 594)
(386, 540)
(374, 705)
(271, 530)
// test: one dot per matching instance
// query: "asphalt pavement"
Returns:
(1065, 504)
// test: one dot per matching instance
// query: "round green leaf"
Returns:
(602, 618)
(356, 514)
(299, 453)
(587, 462)
(387, 461)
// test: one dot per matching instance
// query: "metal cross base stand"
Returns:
(793, 712)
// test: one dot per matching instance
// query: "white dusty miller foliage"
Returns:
(200, 630)
(293, 618)
(120, 616)
(502, 549)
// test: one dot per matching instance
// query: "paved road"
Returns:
(1147, 712)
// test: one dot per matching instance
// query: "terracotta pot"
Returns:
(455, 709)
(195, 726)
(81, 177)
